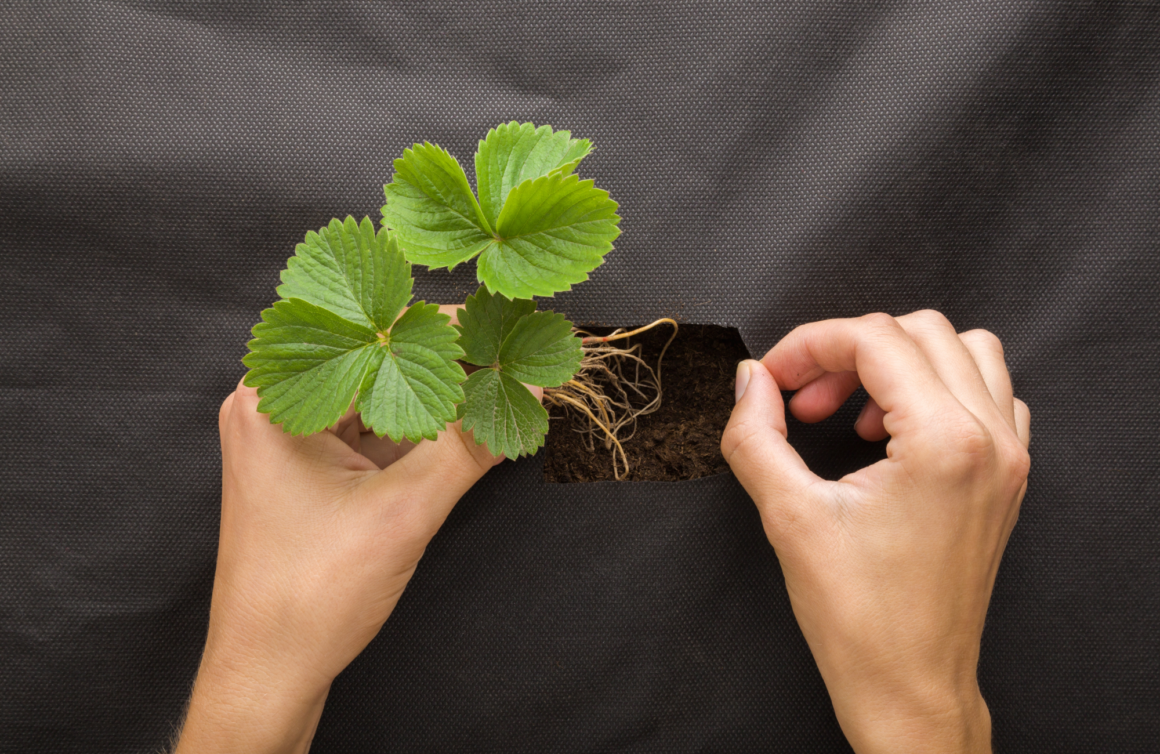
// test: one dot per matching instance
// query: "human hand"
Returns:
(319, 537)
(890, 569)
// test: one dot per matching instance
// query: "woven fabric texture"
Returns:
(776, 163)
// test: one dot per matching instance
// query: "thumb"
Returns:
(430, 479)
(755, 446)
(434, 475)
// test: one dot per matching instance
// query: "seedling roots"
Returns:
(610, 388)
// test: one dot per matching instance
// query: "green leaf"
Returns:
(432, 209)
(485, 320)
(413, 386)
(307, 364)
(517, 152)
(538, 228)
(538, 348)
(338, 336)
(541, 350)
(352, 271)
(516, 345)
(502, 413)
(552, 231)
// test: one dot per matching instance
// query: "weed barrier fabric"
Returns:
(775, 164)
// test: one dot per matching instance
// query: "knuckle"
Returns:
(245, 399)
(968, 446)
(738, 440)
(241, 416)
(878, 329)
(1016, 461)
(729, 440)
(879, 321)
(224, 411)
(460, 462)
(929, 319)
(984, 339)
(478, 457)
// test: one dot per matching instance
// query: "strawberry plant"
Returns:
(345, 330)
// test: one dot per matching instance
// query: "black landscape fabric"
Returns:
(776, 163)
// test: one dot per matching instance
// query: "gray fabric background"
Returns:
(776, 163)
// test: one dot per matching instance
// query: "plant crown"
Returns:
(337, 333)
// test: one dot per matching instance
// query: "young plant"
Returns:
(536, 229)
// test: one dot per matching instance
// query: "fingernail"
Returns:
(742, 379)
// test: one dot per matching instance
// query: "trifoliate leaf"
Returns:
(540, 229)
(430, 206)
(485, 320)
(338, 336)
(541, 350)
(416, 386)
(538, 348)
(514, 344)
(517, 152)
(343, 267)
(502, 413)
(552, 232)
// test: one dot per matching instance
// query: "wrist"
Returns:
(247, 709)
(933, 721)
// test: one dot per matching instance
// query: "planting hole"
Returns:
(681, 439)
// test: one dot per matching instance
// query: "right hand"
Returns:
(890, 569)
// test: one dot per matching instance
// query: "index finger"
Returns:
(891, 366)
(451, 310)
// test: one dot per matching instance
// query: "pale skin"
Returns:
(889, 570)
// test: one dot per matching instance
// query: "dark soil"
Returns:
(682, 439)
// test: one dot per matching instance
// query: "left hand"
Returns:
(319, 537)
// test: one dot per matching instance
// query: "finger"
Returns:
(259, 438)
(987, 351)
(348, 428)
(434, 475)
(224, 414)
(869, 424)
(756, 447)
(891, 366)
(451, 310)
(381, 450)
(819, 399)
(1023, 431)
(226, 410)
(1023, 422)
(953, 363)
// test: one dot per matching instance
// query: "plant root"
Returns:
(613, 388)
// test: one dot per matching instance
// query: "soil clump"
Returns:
(682, 439)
